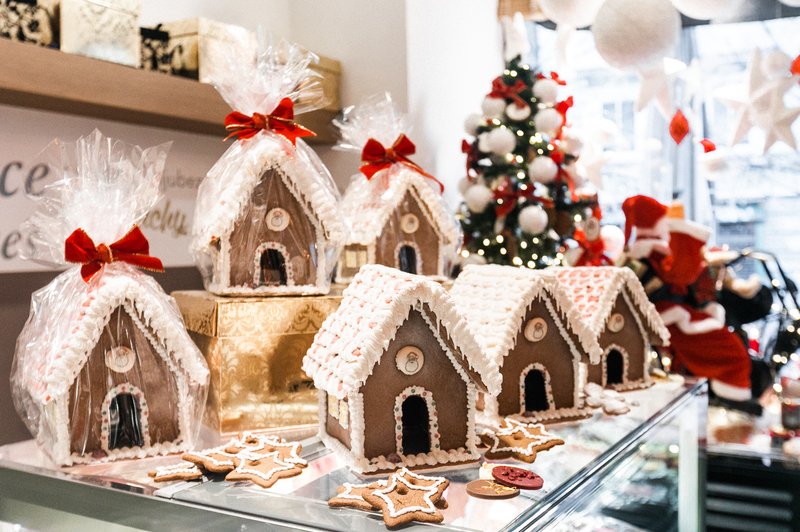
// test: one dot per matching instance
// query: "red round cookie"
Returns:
(517, 477)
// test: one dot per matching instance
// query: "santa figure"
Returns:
(678, 281)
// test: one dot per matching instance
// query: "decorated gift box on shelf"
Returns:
(31, 21)
(107, 30)
(254, 348)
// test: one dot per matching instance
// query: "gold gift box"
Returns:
(254, 348)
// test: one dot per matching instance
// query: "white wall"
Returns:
(454, 50)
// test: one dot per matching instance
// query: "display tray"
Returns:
(594, 447)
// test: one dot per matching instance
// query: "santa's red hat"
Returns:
(642, 212)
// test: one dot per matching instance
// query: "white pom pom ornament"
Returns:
(548, 121)
(493, 107)
(518, 113)
(572, 145)
(478, 197)
(543, 169)
(463, 184)
(634, 34)
(472, 122)
(613, 240)
(706, 9)
(533, 220)
(546, 91)
(501, 141)
(571, 13)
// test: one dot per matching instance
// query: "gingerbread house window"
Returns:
(355, 258)
(333, 407)
(344, 414)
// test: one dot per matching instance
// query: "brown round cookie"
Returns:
(517, 477)
(489, 489)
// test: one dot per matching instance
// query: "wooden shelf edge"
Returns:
(50, 80)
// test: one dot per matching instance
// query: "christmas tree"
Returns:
(522, 195)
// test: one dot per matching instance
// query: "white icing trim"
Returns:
(181, 467)
(280, 248)
(625, 364)
(646, 347)
(105, 413)
(347, 493)
(428, 493)
(433, 416)
(245, 456)
(536, 366)
(417, 254)
(514, 426)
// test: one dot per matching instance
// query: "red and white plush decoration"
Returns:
(700, 340)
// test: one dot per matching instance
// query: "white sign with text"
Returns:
(24, 133)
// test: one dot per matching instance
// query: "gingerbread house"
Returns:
(527, 327)
(271, 226)
(398, 373)
(126, 381)
(614, 306)
(397, 219)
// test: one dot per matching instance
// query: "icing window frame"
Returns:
(344, 414)
(333, 407)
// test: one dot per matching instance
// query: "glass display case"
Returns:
(638, 471)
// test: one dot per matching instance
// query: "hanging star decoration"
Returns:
(762, 105)
(655, 85)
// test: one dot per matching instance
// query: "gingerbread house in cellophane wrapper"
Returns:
(254, 348)
(393, 208)
(104, 368)
(266, 218)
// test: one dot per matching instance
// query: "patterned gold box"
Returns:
(254, 348)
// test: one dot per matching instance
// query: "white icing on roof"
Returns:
(494, 299)
(377, 302)
(594, 290)
(231, 181)
(368, 204)
(68, 317)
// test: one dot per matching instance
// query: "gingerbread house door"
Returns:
(407, 258)
(416, 426)
(125, 423)
(535, 395)
(615, 367)
(272, 268)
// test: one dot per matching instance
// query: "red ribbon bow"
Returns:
(280, 121)
(376, 157)
(501, 90)
(594, 251)
(132, 248)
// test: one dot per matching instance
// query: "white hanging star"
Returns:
(656, 85)
(761, 105)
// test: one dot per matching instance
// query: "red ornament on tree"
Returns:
(678, 127)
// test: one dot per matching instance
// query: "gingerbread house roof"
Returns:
(368, 204)
(593, 291)
(68, 317)
(237, 173)
(377, 302)
(494, 299)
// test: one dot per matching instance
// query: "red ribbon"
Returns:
(376, 157)
(132, 248)
(511, 196)
(501, 90)
(553, 76)
(593, 250)
(280, 121)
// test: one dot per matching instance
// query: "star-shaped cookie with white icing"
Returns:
(262, 469)
(403, 502)
(518, 440)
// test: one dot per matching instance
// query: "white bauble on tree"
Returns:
(472, 122)
(493, 107)
(518, 113)
(501, 141)
(463, 184)
(533, 220)
(635, 34)
(572, 255)
(483, 142)
(546, 91)
(543, 169)
(706, 9)
(572, 13)
(572, 144)
(478, 197)
(613, 241)
(548, 121)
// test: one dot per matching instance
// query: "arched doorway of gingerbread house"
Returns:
(124, 422)
(535, 391)
(615, 366)
(416, 426)
(273, 268)
(407, 259)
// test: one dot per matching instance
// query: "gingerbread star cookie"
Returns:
(262, 469)
(215, 460)
(422, 480)
(518, 440)
(256, 443)
(403, 502)
(352, 495)
(180, 471)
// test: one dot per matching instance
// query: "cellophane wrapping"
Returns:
(267, 219)
(397, 217)
(104, 369)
